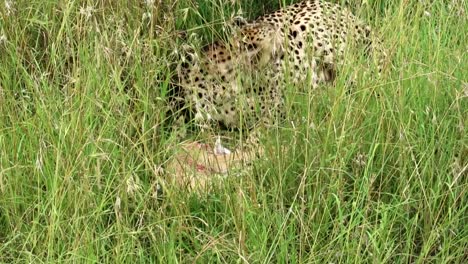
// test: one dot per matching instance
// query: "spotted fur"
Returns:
(244, 78)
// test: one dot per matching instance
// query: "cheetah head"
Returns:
(258, 43)
(213, 76)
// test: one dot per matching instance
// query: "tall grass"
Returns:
(377, 174)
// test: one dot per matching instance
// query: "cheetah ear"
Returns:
(239, 21)
(188, 53)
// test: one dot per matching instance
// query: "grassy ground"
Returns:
(377, 175)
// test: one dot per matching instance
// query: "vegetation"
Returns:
(378, 174)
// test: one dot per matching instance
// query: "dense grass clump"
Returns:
(375, 174)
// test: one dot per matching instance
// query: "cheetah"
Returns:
(242, 81)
